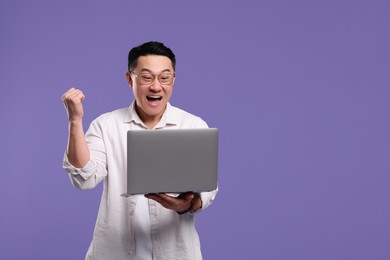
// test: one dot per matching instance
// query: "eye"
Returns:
(146, 76)
(165, 77)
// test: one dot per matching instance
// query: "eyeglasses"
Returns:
(147, 78)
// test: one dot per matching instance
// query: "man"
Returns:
(154, 226)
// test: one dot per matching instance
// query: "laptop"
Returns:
(172, 160)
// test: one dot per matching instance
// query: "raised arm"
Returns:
(77, 149)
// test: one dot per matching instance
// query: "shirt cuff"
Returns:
(85, 172)
(207, 199)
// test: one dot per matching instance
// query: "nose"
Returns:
(155, 86)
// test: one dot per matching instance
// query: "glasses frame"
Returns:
(155, 76)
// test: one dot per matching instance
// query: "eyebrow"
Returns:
(148, 70)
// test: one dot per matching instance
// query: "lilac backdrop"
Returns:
(299, 91)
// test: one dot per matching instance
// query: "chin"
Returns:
(154, 111)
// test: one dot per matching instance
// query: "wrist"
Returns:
(196, 202)
(75, 126)
(75, 121)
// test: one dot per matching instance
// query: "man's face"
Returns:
(151, 95)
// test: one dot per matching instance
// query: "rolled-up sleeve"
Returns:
(207, 199)
(95, 170)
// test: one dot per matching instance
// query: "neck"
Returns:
(149, 121)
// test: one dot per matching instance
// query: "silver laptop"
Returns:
(172, 160)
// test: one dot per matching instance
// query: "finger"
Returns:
(71, 90)
(183, 200)
(187, 195)
(184, 197)
(162, 198)
(180, 203)
(159, 199)
(166, 200)
(75, 93)
(74, 96)
(77, 97)
(67, 95)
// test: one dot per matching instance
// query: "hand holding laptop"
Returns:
(183, 203)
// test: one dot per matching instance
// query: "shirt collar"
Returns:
(168, 118)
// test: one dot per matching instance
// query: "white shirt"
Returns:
(172, 236)
(141, 223)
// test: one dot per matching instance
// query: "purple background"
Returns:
(299, 91)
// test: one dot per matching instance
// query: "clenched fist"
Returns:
(73, 99)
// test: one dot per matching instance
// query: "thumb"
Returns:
(187, 195)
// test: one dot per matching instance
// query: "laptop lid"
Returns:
(172, 160)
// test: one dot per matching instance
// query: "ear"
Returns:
(129, 79)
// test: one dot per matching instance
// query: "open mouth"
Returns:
(153, 98)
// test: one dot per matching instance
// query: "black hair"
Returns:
(149, 48)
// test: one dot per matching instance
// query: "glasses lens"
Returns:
(165, 78)
(146, 78)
